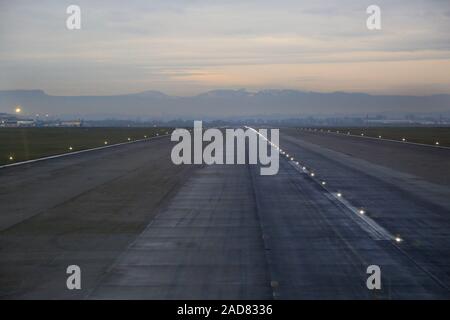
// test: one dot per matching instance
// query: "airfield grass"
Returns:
(32, 143)
(425, 135)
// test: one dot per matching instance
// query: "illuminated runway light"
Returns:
(403, 139)
(292, 159)
(379, 137)
(339, 194)
(11, 158)
(324, 183)
(361, 211)
(436, 143)
(129, 139)
(362, 134)
(106, 142)
(145, 137)
(312, 174)
(297, 163)
(70, 148)
(304, 168)
(398, 239)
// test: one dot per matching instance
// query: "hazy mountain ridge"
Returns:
(221, 104)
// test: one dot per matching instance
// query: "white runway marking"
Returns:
(77, 152)
(358, 215)
(436, 145)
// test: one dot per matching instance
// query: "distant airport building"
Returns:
(8, 120)
(26, 123)
(74, 123)
(6, 123)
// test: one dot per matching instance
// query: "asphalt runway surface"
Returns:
(141, 227)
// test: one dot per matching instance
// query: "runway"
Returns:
(83, 209)
(140, 227)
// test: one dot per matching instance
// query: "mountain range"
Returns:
(221, 104)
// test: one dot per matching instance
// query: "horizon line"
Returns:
(224, 89)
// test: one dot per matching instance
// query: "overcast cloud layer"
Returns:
(186, 47)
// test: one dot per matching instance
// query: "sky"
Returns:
(185, 47)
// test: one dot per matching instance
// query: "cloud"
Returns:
(190, 40)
